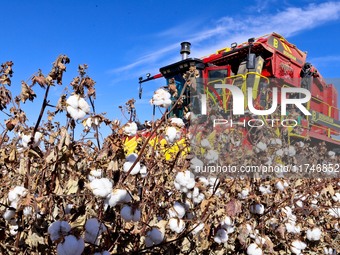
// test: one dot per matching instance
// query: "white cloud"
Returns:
(226, 30)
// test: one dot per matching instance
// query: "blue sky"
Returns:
(122, 40)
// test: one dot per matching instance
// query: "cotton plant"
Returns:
(172, 134)
(184, 181)
(297, 247)
(260, 147)
(257, 208)
(334, 212)
(101, 187)
(336, 197)
(130, 129)
(177, 211)
(91, 122)
(130, 213)
(71, 246)
(130, 160)
(211, 156)
(93, 229)
(77, 107)
(117, 196)
(58, 229)
(227, 224)
(196, 196)
(198, 228)
(243, 194)
(265, 189)
(176, 225)
(14, 197)
(314, 234)
(95, 174)
(331, 154)
(254, 249)
(154, 237)
(275, 141)
(205, 144)
(221, 236)
(196, 164)
(143, 171)
(281, 186)
(161, 98)
(290, 151)
(177, 122)
(329, 251)
(26, 139)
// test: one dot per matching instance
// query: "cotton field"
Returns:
(139, 192)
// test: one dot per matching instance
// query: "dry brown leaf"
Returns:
(233, 208)
(33, 239)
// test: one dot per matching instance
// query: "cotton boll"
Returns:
(143, 171)
(15, 194)
(176, 225)
(171, 134)
(161, 98)
(94, 174)
(203, 180)
(254, 249)
(130, 159)
(292, 228)
(8, 214)
(154, 236)
(71, 246)
(334, 212)
(28, 210)
(83, 105)
(257, 209)
(336, 197)
(265, 189)
(279, 152)
(243, 194)
(178, 210)
(130, 129)
(117, 196)
(101, 187)
(196, 163)
(93, 229)
(77, 107)
(205, 144)
(281, 186)
(221, 236)
(197, 197)
(261, 146)
(73, 101)
(130, 214)
(184, 181)
(135, 170)
(228, 225)
(328, 251)
(198, 228)
(297, 246)
(13, 229)
(331, 154)
(314, 234)
(177, 122)
(58, 229)
(211, 156)
(290, 151)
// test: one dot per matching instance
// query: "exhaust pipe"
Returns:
(185, 50)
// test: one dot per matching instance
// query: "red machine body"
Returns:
(268, 61)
